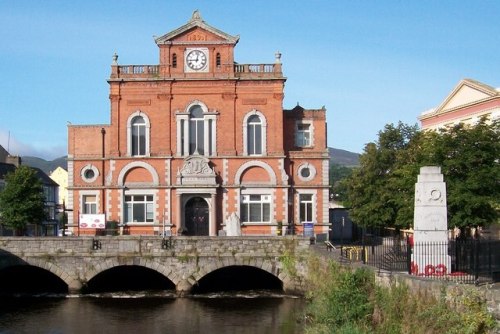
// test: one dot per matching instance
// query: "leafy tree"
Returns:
(469, 160)
(373, 192)
(338, 173)
(381, 191)
(22, 199)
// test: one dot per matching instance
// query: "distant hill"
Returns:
(337, 156)
(46, 166)
(343, 157)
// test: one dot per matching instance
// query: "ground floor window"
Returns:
(89, 204)
(139, 208)
(256, 208)
(306, 207)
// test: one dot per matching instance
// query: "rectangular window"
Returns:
(90, 204)
(306, 206)
(49, 193)
(303, 135)
(256, 208)
(139, 208)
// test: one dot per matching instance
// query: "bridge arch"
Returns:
(73, 283)
(111, 263)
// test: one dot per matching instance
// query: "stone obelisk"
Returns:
(430, 249)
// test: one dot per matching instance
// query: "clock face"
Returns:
(196, 60)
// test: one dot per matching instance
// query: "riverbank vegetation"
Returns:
(344, 300)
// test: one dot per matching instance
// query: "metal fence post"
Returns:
(476, 261)
(408, 255)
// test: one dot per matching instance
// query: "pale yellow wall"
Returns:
(60, 176)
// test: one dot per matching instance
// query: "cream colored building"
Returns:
(467, 103)
(60, 176)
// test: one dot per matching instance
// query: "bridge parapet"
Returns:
(183, 260)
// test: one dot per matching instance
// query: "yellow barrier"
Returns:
(355, 253)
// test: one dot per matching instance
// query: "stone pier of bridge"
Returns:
(182, 260)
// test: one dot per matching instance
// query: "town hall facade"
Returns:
(198, 140)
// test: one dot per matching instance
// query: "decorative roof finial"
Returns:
(196, 16)
(278, 57)
(115, 59)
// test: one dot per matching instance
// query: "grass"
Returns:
(348, 301)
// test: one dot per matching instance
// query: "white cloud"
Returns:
(16, 147)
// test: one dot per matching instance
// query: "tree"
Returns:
(469, 160)
(338, 173)
(381, 191)
(22, 199)
(374, 193)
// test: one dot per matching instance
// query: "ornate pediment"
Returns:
(197, 31)
(196, 170)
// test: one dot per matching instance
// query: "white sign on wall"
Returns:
(92, 221)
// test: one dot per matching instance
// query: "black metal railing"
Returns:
(473, 261)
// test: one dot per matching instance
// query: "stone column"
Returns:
(213, 219)
(430, 250)
(178, 212)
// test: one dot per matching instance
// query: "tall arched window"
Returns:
(254, 135)
(138, 136)
(196, 131)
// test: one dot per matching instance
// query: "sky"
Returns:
(370, 63)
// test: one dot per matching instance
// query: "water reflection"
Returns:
(248, 312)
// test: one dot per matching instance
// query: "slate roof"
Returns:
(46, 180)
(5, 169)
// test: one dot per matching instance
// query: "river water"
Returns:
(143, 313)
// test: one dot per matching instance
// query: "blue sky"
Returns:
(369, 62)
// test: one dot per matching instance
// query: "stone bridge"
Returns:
(182, 260)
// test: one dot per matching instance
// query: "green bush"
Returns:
(345, 300)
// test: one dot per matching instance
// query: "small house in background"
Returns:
(49, 227)
(60, 176)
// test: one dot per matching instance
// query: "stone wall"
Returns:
(436, 288)
(183, 260)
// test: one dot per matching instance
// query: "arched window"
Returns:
(138, 134)
(254, 135)
(174, 60)
(196, 130)
(217, 59)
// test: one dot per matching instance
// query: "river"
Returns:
(144, 313)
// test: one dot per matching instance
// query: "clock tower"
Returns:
(197, 48)
(199, 141)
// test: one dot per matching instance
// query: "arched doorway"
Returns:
(196, 218)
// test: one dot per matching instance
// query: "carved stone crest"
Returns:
(196, 170)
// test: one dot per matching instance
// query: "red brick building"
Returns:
(198, 138)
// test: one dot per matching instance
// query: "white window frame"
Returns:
(139, 192)
(263, 192)
(312, 202)
(263, 131)
(299, 140)
(84, 193)
(84, 170)
(147, 134)
(86, 204)
(312, 172)
(209, 127)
